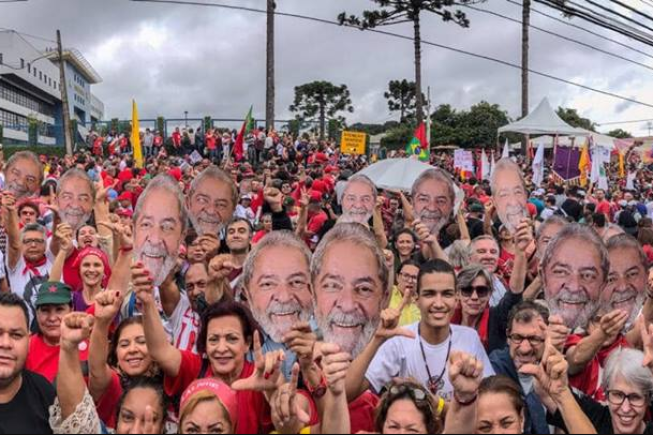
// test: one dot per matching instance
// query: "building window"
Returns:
(40, 75)
(0, 58)
(19, 97)
(22, 64)
(29, 68)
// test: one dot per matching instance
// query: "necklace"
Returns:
(435, 384)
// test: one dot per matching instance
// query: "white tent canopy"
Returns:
(598, 140)
(543, 120)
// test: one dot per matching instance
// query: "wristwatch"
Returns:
(319, 391)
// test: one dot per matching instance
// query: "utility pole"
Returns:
(429, 120)
(526, 23)
(270, 70)
(67, 130)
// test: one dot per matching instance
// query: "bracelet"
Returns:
(464, 404)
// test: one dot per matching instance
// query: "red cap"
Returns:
(125, 212)
(126, 196)
(316, 196)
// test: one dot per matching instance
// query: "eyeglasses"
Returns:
(37, 242)
(412, 278)
(533, 341)
(482, 291)
(617, 398)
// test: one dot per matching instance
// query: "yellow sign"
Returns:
(353, 143)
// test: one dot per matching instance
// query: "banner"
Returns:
(136, 138)
(566, 163)
(464, 161)
(353, 142)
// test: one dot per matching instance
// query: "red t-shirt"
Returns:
(603, 207)
(71, 274)
(588, 381)
(320, 186)
(362, 411)
(44, 359)
(158, 141)
(316, 222)
(108, 403)
(211, 143)
(176, 139)
(253, 410)
(259, 236)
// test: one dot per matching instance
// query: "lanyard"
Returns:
(435, 384)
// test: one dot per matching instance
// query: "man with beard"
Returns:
(75, 198)
(23, 175)
(509, 194)
(350, 281)
(622, 302)
(212, 200)
(24, 396)
(358, 200)
(574, 272)
(526, 341)
(159, 224)
(277, 283)
(434, 197)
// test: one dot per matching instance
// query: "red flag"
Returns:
(239, 148)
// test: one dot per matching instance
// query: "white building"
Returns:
(30, 88)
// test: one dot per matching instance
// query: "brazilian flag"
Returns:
(419, 146)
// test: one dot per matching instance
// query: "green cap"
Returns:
(54, 293)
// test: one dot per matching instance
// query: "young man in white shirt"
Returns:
(420, 351)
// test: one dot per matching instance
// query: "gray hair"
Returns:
(435, 174)
(469, 274)
(217, 174)
(505, 165)
(480, 239)
(625, 241)
(551, 221)
(579, 232)
(34, 228)
(170, 185)
(274, 239)
(26, 155)
(359, 178)
(354, 233)
(76, 173)
(628, 364)
(459, 254)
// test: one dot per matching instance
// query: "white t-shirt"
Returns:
(26, 284)
(183, 325)
(402, 358)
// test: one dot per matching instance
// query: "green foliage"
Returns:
(620, 134)
(1, 132)
(573, 118)
(208, 123)
(321, 101)
(115, 125)
(124, 127)
(59, 151)
(402, 98)
(395, 11)
(474, 128)
(33, 125)
(398, 138)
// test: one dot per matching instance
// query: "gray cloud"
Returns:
(211, 61)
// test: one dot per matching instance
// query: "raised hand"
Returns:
(287, 413)
(557, 332)
(465, 375)
(210, 244)
(101, 192)
(143, 283)
(380, 202)
(335, 365)
(65, 234)
(551, 375)
(274, 198)
(390, 317)
(305, 198)
(389, 258)
(8, 201)
(524, 235)
(123, 233)
(75, 328)
(647, 340)
(612, 324)
(423, 233)
(268, 370)
(107, 306)
(220, 268)
(301, 340)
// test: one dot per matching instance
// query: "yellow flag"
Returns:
(622, 165)
(584, 165)
(136, 138)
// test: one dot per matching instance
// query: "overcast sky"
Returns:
(211, 61)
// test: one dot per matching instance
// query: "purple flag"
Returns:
(566, 162)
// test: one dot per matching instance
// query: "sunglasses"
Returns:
(481, 291)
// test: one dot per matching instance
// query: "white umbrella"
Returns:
(399, 174)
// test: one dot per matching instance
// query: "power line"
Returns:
(619, 14)
(591, 32)
(27, 35)
(623, 122)
(557, 35)
(591, 18)
(632, 9)
(611, 18)
(408, 38)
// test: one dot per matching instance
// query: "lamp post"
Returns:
(186, 117)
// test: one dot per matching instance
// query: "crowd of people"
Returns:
(286, 293)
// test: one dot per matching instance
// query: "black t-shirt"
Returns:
(29, 412)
